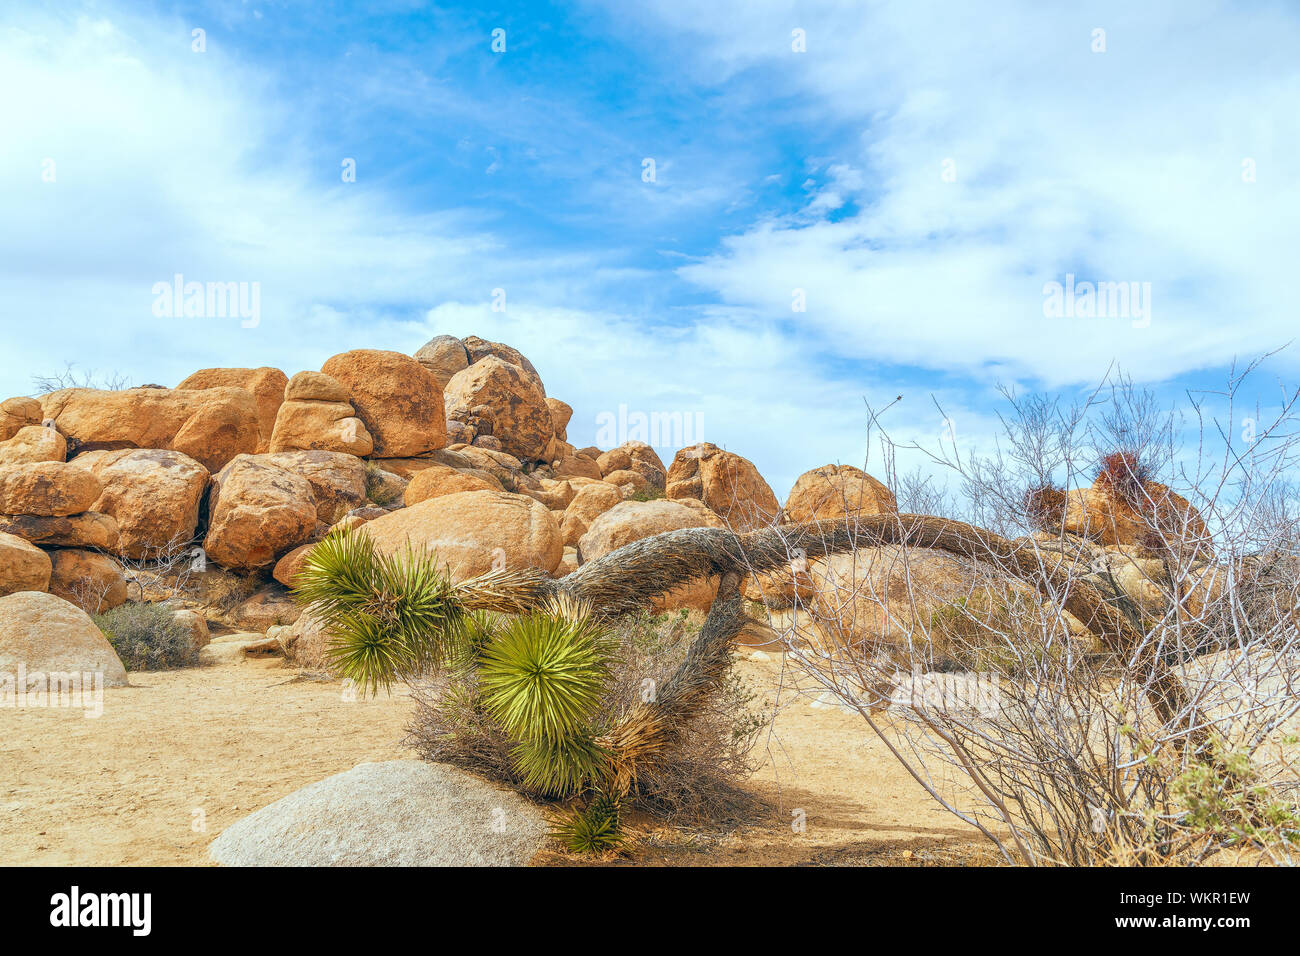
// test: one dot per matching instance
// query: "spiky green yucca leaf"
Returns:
(559, 769)
(543, 675)
(595, 828)
(388, 616)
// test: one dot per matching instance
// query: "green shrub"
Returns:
(147, 637)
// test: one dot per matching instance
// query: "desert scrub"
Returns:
(147, 637)
(649, 494)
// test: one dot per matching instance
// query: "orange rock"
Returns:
(728, 484)
(397, 398)
(211, 425)
(832, 492)
(267, 386)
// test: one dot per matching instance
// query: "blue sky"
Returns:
(920, 171)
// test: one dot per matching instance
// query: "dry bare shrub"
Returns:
(1169, 742)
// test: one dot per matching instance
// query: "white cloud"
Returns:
(1119, 166)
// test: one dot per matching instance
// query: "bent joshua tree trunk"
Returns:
(629, 578)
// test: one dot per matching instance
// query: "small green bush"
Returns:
(147, 637)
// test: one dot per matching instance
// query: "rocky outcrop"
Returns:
(33, 443)
(728, 484)
(444, 356)
(338, 480)
(23, 566)
(833, 492)
(589, 503)
(479, 349)
(634, 456)
(522, 420)
(88, 530)
(257, 512)
(46, 489)
(154, 497)
(1152, 520)
(92, 581)
(265, 384)
(397, 398)
(18, 413)
(472, 532)
(441, 480)
(316, 415)
(211, 425)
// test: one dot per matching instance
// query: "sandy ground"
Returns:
(178, 756)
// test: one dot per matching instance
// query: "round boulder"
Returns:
(397, 398)
(45, 634)
(395, 813)
(472, 532)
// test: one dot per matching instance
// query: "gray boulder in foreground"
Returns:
(396, 813)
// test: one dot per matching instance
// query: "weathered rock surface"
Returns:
(522, 418)
(33, 443)
(46, 489)
(257, 512)
(153, 495)
(398, 399)
(474, 531)
(832, 492)
(23, 566)
(92, 581)
(267, 386)
(46, 634)
(444, 356)
(441, 480)
(727, 483)
(396, 813)
(211, 425)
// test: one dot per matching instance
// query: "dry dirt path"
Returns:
(212, 744)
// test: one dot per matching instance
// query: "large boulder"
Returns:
(474, 531)
(832, 492)
(396, 813)
(153, 495)
(338, 480)
(88, 530)
(211, 425)
(46, 489)
(1152, 520)
(33, 443)
(479, 349)
(441, 480)
(630, 521)
(398, 399)
(728, 484)
(444, 356)
(589, 503)
(92, 581)
(317, 415)
(266, 385)
(257, 511)
(18, 413)
(522, 420)
(634, 456)
(46, 635)
(23, 566)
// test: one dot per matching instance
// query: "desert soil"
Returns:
(178, 756)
